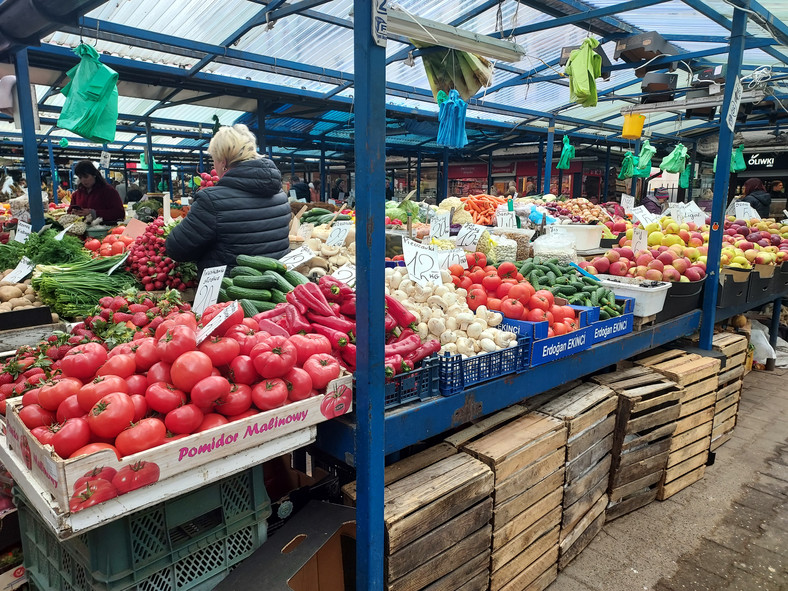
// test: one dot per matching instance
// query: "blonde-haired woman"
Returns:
(246, 212)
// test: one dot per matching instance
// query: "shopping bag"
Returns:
(647, 152)
(685, 178)
(675, 161)
(583, 68)
(627, 167)
(567, 153)
(451, 120)
(737, 160)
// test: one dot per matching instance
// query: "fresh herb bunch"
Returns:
(43, 249)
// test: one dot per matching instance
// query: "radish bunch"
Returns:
(149, 262)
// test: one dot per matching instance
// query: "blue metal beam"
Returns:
(583, 7)
(548, 160)
(765, 19)
(295, 8)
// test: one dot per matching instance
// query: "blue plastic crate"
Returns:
(457, 374)
(618, 326)
(419, 384)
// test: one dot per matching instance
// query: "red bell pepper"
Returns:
(406, 332)
(403, 347)
(335, 307)
(337, 339)
(335, 290)
(348, 307)
(337, 323)
(400, 313)
(425, 350)
(296, 321)
(393, 365)
(389, 323)
(310, 295)
(293, 300)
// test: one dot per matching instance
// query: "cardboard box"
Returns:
(314, 551)
(13, 578)
(240, 441)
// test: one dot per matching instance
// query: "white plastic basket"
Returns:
(648, 300)
(587, 236)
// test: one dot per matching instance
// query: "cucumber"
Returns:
(248, 307)
(222, 295)
(253, 282)
(294, 278)
(227, 282)
(551, 277)
(260, 263)
(595, 298)
(281, 283)
(245, 293)
(603, 315)
(242, 270)
(278, 297)
(567, 290)
(316, 212)
(555, 269)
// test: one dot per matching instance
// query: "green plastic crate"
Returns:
(183, 544)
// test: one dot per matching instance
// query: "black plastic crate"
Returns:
(760, 287)
(682, 298)
(733, 290)
(419, 384)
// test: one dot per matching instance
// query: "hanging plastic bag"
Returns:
(567, 153)
(675, 161)
(627, 167)
(685, 178)
(643, 173)
(451, 120)
(647, 152)
(583, 68)
(714, 165)
(91, 107)
(737, 160)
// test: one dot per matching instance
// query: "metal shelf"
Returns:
(725, 313)
(415, 422)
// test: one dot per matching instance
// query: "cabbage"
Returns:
(400, 211)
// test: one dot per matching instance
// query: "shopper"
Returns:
(530, 189)
(777, 190)
(653, 201)
(493, 191)
(301, 189)
(389, 191)
(512, 190)
(756, 195)
(94, 196)
(120, 187)
(246, 212)
(314, 191)
(338, 191)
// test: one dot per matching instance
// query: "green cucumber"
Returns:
(227, 282)
(260, 263)
(245, 293)
(253, 282)
(295, 278)
(278, 297)
(242, 270)
(223, 297)
(281, 283)
(248, 307)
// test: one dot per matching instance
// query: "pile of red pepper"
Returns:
(328, 308)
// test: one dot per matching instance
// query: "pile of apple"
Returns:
(661, 263)
(754, 242)
(619, 225)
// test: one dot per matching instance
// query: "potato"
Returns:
(37, 304)
(55, 317)
(18, 302)
(30, 297)
(9, 292)
(23, 307)
(5, 307)
(29, 290)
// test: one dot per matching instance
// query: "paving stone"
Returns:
(743, 581)
(713, 557)
(764, 564)
(774, 540)
(568, 583)
(733, 537)
(744, 517)
(758, 500)
(770, 485)
(778, 471)
(690, 577)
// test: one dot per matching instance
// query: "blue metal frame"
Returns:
(53, 168)
(721, 178)
(149, 158)
(32, 167)
(548, 159)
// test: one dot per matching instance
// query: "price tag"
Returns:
(628, 203)
(23, 230)
(118, 264)
(692, 207)
(21, 271)
(644, 216)
(677, 212)
(186, 200)
(696, 217)
(346, 274)
(456, 256)
(505, 219)
(341, 198)
(104, 160)
(555, 229)
(469, 235)
(639, 239)
(296, 258)
(59, 235)
(305, 231)
(745, 211)
(293, 195)
(439, 225)
(422, 263)
(217, 320)
(338, 234)
(208, 291)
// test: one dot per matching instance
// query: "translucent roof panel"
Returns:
(675, 18)
(121, 50)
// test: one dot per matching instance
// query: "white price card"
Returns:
(21, 271)
(696, 217)
(421, 262)
(118, 264)
(639, 239)
(677, 212)
(104, 160)
(208, 290)
(346, 274)
(305, 231)
(439, 225)
(628, 203)
(217, 320)
(555, 229)
(339, 232)
(733, 108)
(644, 216)
(745, 211)
(456, 256)
(506, 219)
(23, 230)
(692, 207)
(468, 236)
(59, 235)
(296, 258)
(186, 200)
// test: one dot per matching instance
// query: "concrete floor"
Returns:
(727, 532)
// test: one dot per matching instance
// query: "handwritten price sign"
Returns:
(296, 258)
(639, 239)
(338, 233)
(217, 320)
(21, 271)
(23, 230)
(448, 258)
(628, 202)
(745, 211)
(505, 219)
(208, 289)
(468, 236)
(346, 274)
(422, 263)
(305, 231)
(644, 216)
(439, 225)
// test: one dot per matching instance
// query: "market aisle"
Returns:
(728, 532)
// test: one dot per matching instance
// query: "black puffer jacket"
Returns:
(246, 212)
(761, 201)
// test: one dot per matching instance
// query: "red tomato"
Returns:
(456, 270)
(160, 372)
(211, 311)
(477, 276)
(571, 324)
(122, 366)
(242, 371)
(493, 304)
(111, 415)
(52, 395)
(336, 403)
(274, 360)
(163, 397)
(477, 297)
(69, 409)
(30, 397)
(569, 312)
(550, 318)
(83, 361)
(184, 419)
(238, 400)
(146, 434)
(546, 295)
(176, 341)
(99, 473)
(118, 247)
(538, 301)
(507, 270)
(491, 282)
(210, 392)
(244, 336)
(94, 447)
(244, 415)
(558, 313)
(92, 493)
(105, 250)
(521, 292)
(36, 416)
(221, 350)
(511, 308)
(137, 384)
(190, 368)
(110, 239)
(269, 394)
(140, 406)
(466, 283)
(476, 259)
(72, 434)
(92, 244)
(92, 392)
(322, 368)
(145, 355)
(44, 433)
(560, 328)
(180, 319)
(136, 476)
(537, 315)
(212, 420)
(299, 383)
(309, 344)
(118, 230)
(503, 290)
(550, 333)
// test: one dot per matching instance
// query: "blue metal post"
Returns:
(444, 192)
(738, 33)
(370, 148)
(489, 171)
(199, 166)
(539, 162)
(53, 168)
(149, 157)
(606, 178)
(418, 175)
(548, 158)
(323, 187)
(29, 145)
(261, 126)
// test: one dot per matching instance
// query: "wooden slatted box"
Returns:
(689, 448)
(734, 347)
(589, 413)
(648, 407)
(527, 453)
(437, 511)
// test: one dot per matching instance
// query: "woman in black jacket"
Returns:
(246, 212)
(756, 195)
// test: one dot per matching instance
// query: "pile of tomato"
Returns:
(113, 243)
(504, 289)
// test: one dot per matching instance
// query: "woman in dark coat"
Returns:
(246, 212)
(756, 195)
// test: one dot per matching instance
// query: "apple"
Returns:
(619, 268)
(655, 238)
(644, 259)
(612, 256)
(666, 257)
(601, 264)
(680, 265)
(750, 255)
(641, 270)
(703, 250)
(627, 252)
(692, 274)
(684, 279)
(670, 274)
(619, 227)
(654, 275)
(656, 264)
(691, 253)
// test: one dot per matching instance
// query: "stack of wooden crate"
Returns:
(648, 406)
(437, 509)
(734, 348)
(589, 413)
(689, 446)
(527, 453)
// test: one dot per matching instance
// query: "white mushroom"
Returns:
(488, 345)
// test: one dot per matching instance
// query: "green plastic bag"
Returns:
(643, 173)
(675, 161)
(627, 167)
(144, 165)
(583, 68)
(567, 153)
(737, 160)
(685, 178)
(91, 107)
(647, 152)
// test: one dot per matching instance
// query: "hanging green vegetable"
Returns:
(567, 153)
(583, 68)
(627, 167)
(449, 69)
(647, 152)
(675, 161)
